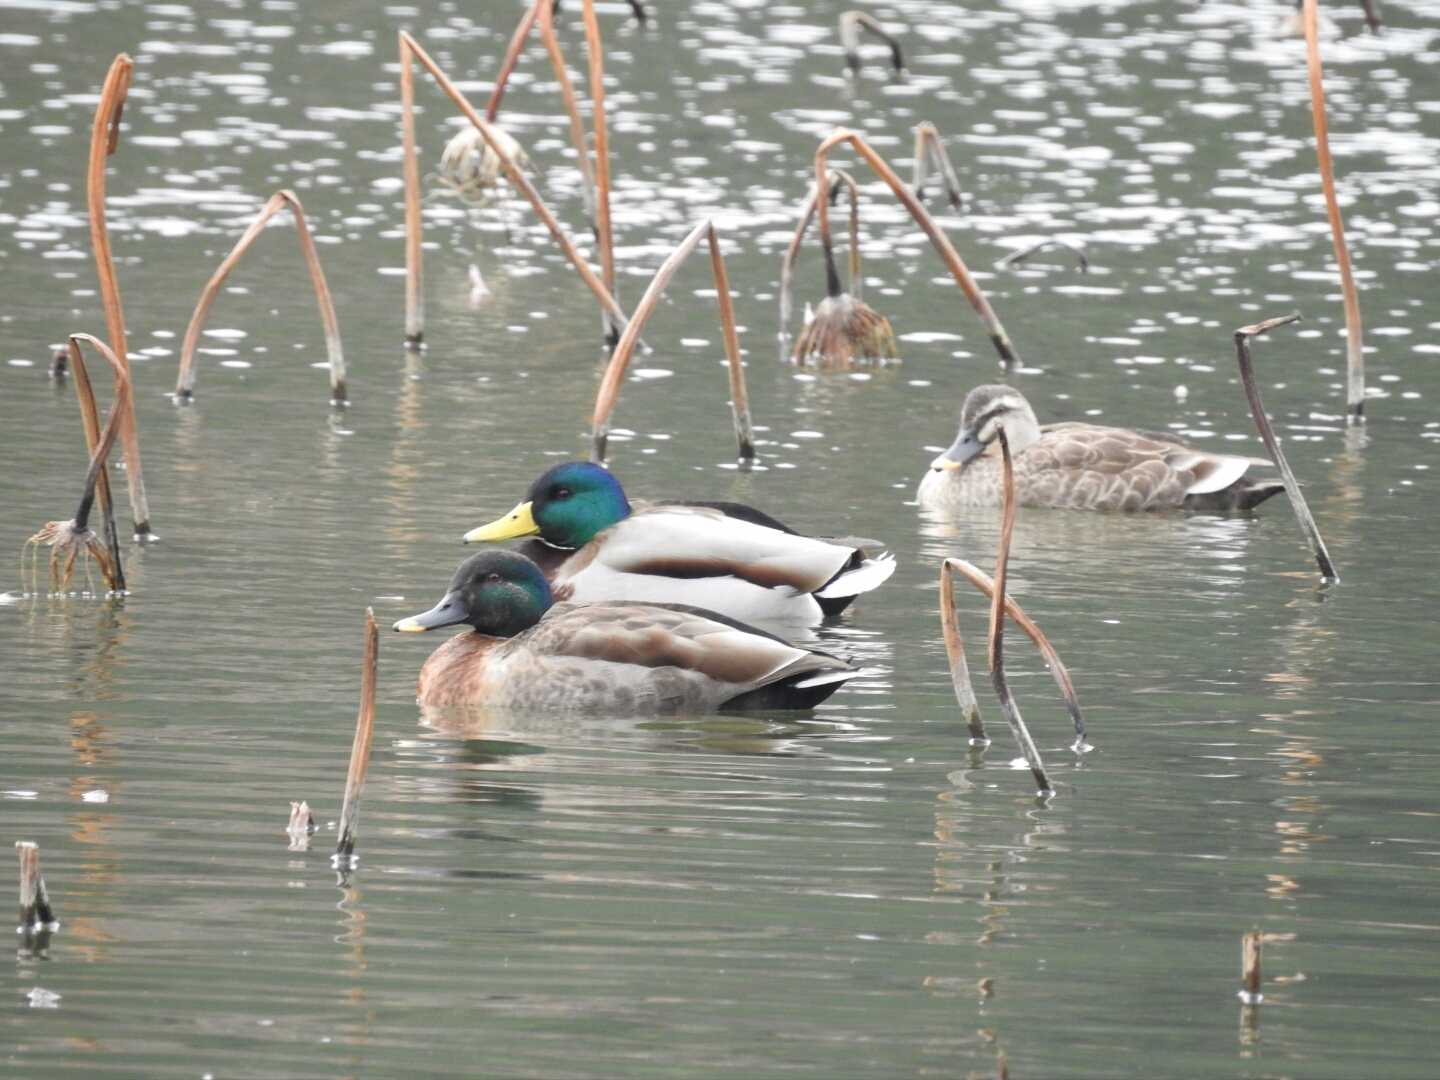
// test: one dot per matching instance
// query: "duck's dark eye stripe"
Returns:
(985, 418)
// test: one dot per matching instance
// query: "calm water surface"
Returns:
(853, 893)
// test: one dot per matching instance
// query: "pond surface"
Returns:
(853, 893)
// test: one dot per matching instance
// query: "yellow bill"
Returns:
(519, 522)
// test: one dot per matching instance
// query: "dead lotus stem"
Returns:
(36, 912)
(851, 23)
(1372, 17)
(90, 420)
(1008, 706)
(1021, 254)
(609, 392)
(951, 258)
(1354, 344)
(414, 293)
(185, 381)
(301, 826)
(792, 252)
(511, 58)
(104, 140)
(603, 229)
(572, 109)
(360, 748)
(929, 148)
(1272, 444)
(1061, 674)
(1250, 950)
(955, 651)
(411, 49)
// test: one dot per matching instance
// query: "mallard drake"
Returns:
(1079, 466)
(724, 557)
(528, 653)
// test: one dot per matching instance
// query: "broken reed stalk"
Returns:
(929, 148)
(59, 361)
(572, 109)
(1250, 948)
(1272, 444)
(104, 140)
(511, 58)
(36, 912)
(410, 50)
(851, 23)
(185, 380)
(410, 169)
(1061, 674)
(1008, 707)
(603, 231)
(1024, 253)
(955, 651)
(90, 420)
(360, 748)
(792, 252)
(948, 255)
(1354, 344)
(301, 826)
(1372, 17)
(67, 540)
(609, 392)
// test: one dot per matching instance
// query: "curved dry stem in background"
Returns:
(410, 168)
(792, 252)
(359, 748)
(104, 140)
(609, 392)
(851, 23)
(572, 109)
(1061, 674)
(603, 232)
(929, 148)
(1021, 254)
(410, 50)
(1272, 444)
(511, 58)
(951, 258)
(67, 540)
(955, 651)
(185, 380)
(90, 420)
(1372, 17)
(1354, 345)
(997, 626)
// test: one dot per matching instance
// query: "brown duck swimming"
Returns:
(1078, 466)
(527, 653)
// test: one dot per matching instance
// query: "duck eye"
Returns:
(561, 493)
(492, 579)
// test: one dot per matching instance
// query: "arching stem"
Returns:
(90, 420)
(851, 23)
(929, 148)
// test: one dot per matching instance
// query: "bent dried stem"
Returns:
(577, 125)
(929, 148)
(90, 420)
(609, 392)
(1008, 706)
(948, 255)
(603, 231)
(955, 651)
(36, 912)
(851, 23)
(1272, 444)
(511, 58)
(1354, 345)
(410, 50)
(1020, 255)
(792, 252)
(185, 380)
(359, 748)
(104, 141)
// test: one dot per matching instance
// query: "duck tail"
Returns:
(1238, 496)
(860, 574)
(1252, 495)
(800, 689)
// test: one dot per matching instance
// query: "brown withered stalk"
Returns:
(68, 540)
(851, 23)
(1267, 434)
(928, 149)
(281, 200)
(1354, 343)
(1251, 945)
(955, 651)
(1008, 706)
(609, 391)
(1058, 671)
(948, 255)
(104, 141)
(1021, 254)
(90, 420)
(792, 251)
(36, 912)
(301, 826)
(411, 51)
(359, 748)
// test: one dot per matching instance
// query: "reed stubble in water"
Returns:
(36, 911)
(851, 23)
(359, 749)
(930, 150)
(1267, 434)
(1250, 950)
(185, 379)
(104, 141)
(609, 392)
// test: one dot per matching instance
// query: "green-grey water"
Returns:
(850, 893)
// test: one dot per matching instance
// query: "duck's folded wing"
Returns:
(694, 542)
(673, 635)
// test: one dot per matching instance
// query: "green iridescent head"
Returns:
(567, 506)
(500, 593)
